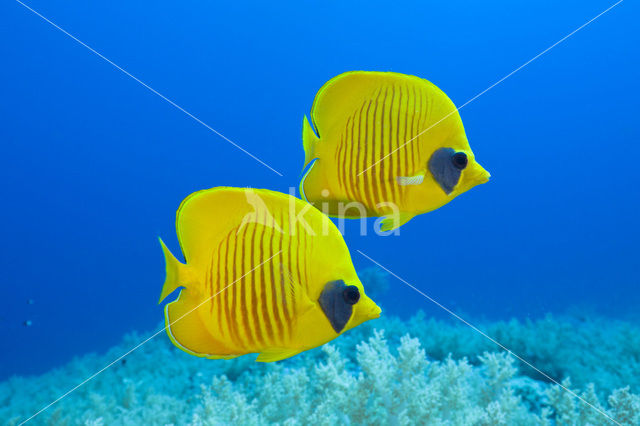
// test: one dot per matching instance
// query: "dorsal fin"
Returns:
(339, 97)
(200, 225)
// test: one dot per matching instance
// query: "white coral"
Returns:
(365, 377)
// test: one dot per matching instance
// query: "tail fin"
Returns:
(309, 141)
(178, 274)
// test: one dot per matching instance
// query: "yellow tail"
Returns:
(309, 141)
(178, 274)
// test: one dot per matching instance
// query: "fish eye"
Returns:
(459, 160)
(351, 294)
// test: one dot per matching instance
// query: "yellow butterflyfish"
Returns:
(387, 144)
(265, 273)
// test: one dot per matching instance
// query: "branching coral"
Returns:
(386, 388)
(595, 350)
(441, 375)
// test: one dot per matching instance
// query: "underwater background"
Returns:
(544, 257)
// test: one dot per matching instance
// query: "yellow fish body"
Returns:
(265, 273)
(391, 143)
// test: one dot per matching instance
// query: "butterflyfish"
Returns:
(385, 144)
(265, 273)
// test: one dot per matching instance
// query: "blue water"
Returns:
(94, 165)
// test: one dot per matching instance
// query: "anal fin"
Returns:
(389, 223)
(188, 332)
(276, 354)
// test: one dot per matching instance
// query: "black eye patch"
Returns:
(336, 301)
(446, 166)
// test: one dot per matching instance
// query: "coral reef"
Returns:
(596, 350)
(421, 371)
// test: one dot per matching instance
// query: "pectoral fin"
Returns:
(411, 180)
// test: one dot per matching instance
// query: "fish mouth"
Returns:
(474, 176)
(483, 178)
(478, 175)
(375, 312)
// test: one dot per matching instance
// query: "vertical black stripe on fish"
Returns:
(304, 261)
(362, 150)
(308, 249)
(423, 119)
(215, 258)
(339, 163)
(386, 166)
(408, 135)
(352, 171)
(249, 284)
(382, 143)
(378, 166)
(290, 254)
(367, 140)
(377, 148)
(419, 126)
(283, 291)
(406, 113)
(244, 285)
(229, 292)
(361, 140)
(363, 147)
(364, 189)
(415, 124)
(399, 142)
(223, 272)
(240, 312)
(208, 279)
(254, 306)
(342, 170)
(348, 164)
(224, 278)
(277, 318)
(428, 104)
(370, 158)
(394, 146)
(355, 195)
(238, 305)
(354, 168)
(265, 318)
(293, 261)
(300, 233)
(347, 171)
(263, 311)
(337, 154)
(402, 152)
